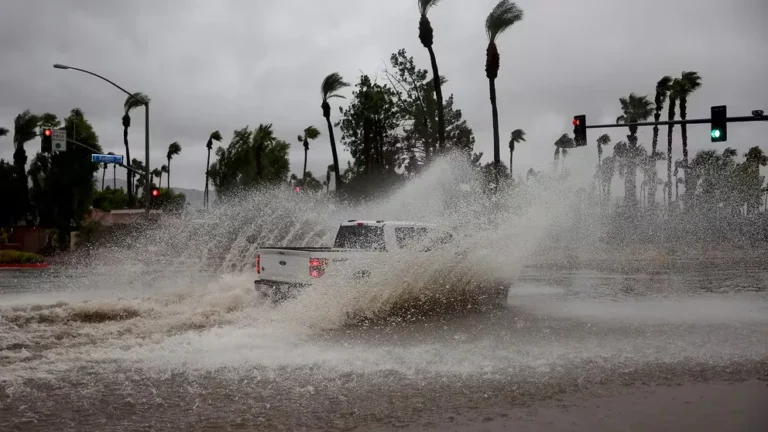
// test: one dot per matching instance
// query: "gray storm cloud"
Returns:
(226, 64)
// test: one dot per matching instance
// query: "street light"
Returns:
(146, 121)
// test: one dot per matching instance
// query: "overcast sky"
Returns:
(221, 64)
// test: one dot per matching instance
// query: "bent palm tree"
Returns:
(310, 133)
(215, 136)
(426, 36)
(330, 87)
(503, 16)
(635, 109)
(163, 170)
(174, 149)
(128, 106)
(156, 173)
(689, 83)
(663, 87)
(674, 94)
(517, 136)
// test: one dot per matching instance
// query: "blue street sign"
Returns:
(106, 158)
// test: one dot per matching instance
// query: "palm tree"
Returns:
(503, 16)
(131, 102)
(157, 173)
(663, 87)
(562, 145)
(310, 133)
(330, 87)
(635, 109)
(163, 170)
(517, 136)
(674, 95)
(138, 166)
(174, 149)
(689, 83)
(602, 140)
(755, 158)
(215, 136)
(678, 180)
(426, 36)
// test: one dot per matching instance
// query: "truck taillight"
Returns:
(258, 264)
(317, 267)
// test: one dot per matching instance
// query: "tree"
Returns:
(131, 102)
(602, 140)
(663, 87)
(174, 149)
(215, 136)
(308, 183)
(753, 181)
(329, 89)
(417, 106)
(674, 95)
(689, 83)
(310, 133)
(3, 131)
(163, 170)
(635, 109)
(426, 36)
(235, 168)
(24, 130)
(517, 136)
(370, 131)
(139, 181)
(156, 173)
(503, 16)
(562, 145)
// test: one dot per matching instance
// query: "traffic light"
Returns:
(580, 130)
(719, 123)
(154, 196)
(47, 141)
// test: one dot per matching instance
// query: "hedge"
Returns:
(16, 257)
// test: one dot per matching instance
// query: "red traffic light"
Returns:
(575, 122)
(47, 132)
(155, 192)
(297, 189)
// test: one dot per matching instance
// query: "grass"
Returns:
(16, 257)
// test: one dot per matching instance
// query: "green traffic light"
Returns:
(715, 133)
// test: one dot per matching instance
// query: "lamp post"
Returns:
(146, 126)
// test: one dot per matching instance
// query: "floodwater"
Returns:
(177, 349)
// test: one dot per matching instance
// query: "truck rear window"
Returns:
(360, 237)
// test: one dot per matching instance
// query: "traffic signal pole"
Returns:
(679, 122)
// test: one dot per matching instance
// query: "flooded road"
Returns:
(120, 350)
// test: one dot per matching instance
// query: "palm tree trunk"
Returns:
(439, 97)
(129, 176)
(670, 129)
(114, 177)
(169, 173)
(103, 175)
(495, 115)
(160, 180)
(684, 135)
(337, 177)
(304, 174)
(207, 167)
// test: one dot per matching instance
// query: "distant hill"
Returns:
(194, 196)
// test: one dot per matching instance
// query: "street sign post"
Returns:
(59, 139)
(107, 158)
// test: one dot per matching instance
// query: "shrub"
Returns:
(16, 257)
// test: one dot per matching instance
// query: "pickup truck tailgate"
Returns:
(284, 265)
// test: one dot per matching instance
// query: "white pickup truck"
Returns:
(283, 271)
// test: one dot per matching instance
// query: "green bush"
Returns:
(16, 257)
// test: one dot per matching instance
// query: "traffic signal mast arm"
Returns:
(678, 122)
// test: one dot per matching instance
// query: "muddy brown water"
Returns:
(200, 352)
